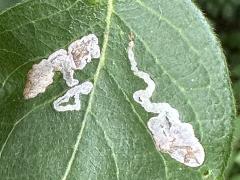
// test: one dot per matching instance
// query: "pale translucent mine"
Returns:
(170, 134)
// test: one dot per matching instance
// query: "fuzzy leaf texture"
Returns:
(108, 138)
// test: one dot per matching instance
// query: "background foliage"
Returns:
(224, 15)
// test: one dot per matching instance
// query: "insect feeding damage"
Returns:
(170, 134)
(36, 85)
(83, 50)
(79, 53)
(75, 92)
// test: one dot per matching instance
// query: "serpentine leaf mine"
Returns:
(170, 134)
(75, 92)
(79, 53)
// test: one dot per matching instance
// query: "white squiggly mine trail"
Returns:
(170, 134)
(75, 92)
(79, 54)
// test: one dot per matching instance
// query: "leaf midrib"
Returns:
(96, 76)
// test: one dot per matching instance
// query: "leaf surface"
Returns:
(108, 138)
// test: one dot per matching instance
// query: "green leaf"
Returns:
(5, 4)
(108, 137)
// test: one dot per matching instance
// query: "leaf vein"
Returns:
(170, 24)
(108, 141)
(100, 65)
(21, 119)
(40, 19)
(14, 71)
(181, 89)
(139, 118)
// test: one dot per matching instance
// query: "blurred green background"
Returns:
(224, 15)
